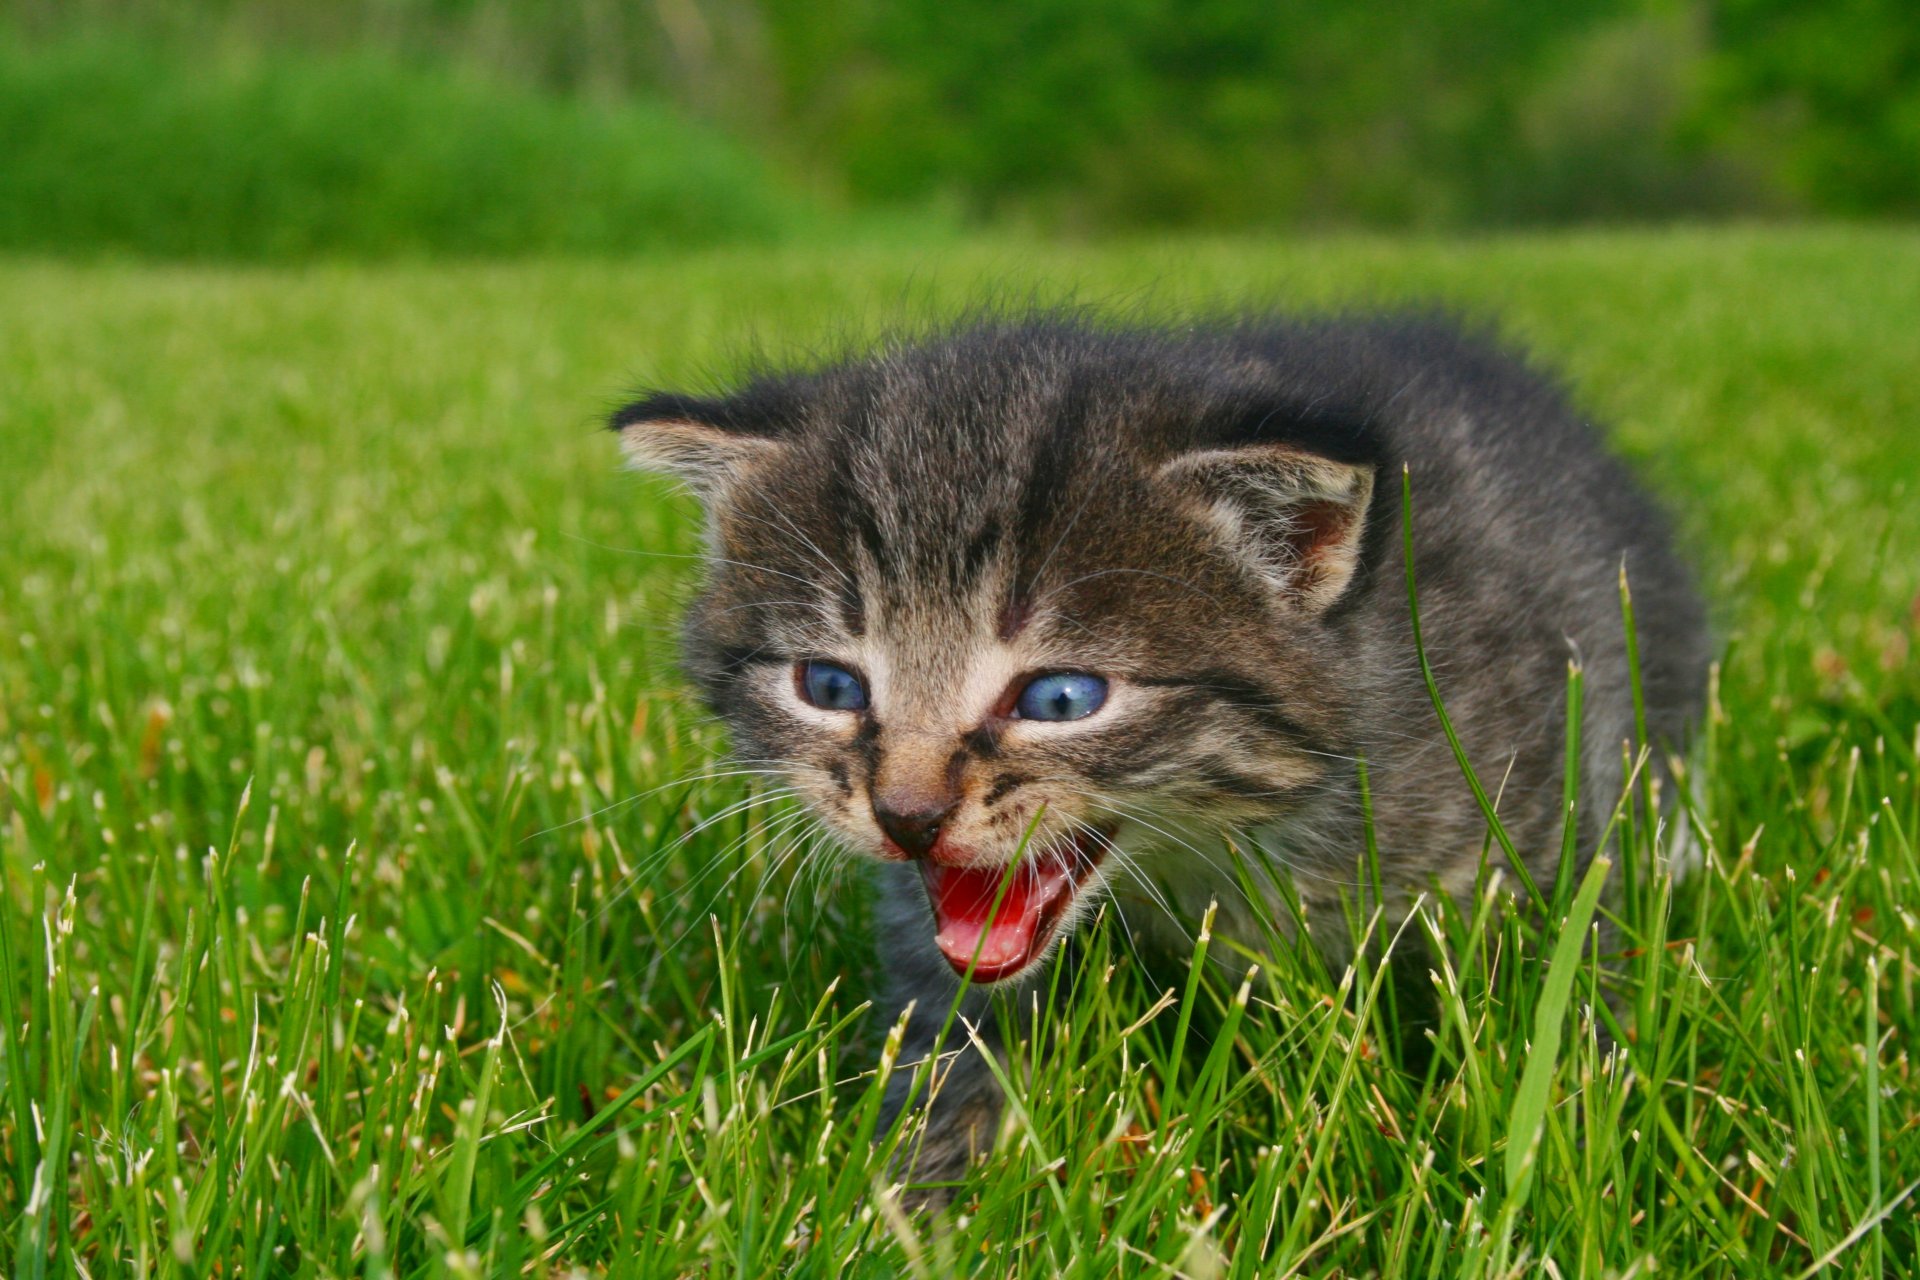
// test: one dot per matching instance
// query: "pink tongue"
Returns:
(962, 901)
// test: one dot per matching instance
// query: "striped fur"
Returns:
(1209, 517)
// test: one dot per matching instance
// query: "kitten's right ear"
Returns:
(705, 443)
(1296, 518)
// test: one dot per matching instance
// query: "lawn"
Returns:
(369, 908)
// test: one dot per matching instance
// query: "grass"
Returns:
(359, 917)
(177, 149)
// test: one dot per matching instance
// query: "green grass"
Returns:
(176, 149)
(348, 928)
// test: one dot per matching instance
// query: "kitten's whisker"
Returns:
(765, 604)
(689, 781)
(1126, 928)
(1072, 520)
(1111, 847)
(785, 828)
(795, 836)
(774, 862)
(1136, 815)
(824, 559)
(658, 857)
(770, 797)
(683, 555)
(821, 852)
(739, 806)
(1124, 862)
(773, 829)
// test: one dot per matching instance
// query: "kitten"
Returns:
(1111, 594)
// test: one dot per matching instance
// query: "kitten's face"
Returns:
(1015, 612)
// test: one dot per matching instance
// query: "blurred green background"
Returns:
(274, 129)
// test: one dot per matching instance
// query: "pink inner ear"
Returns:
(1315, 525)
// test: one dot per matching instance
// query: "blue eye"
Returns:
(1067, 695)
(831, 687)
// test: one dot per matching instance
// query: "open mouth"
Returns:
(999, 943)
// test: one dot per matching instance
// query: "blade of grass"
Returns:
(1530, 1098)
(1494, 825)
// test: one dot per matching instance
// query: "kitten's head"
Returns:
(1032, 586)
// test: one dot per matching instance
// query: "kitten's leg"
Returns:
(962, 1099)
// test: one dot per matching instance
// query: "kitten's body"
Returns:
(1209, 521)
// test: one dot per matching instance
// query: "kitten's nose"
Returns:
(914, 829)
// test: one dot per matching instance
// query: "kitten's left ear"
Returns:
(705, 443)
(1296, 518)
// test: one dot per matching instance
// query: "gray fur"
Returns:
(1164, 508)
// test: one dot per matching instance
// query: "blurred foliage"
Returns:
(1241, 112)
(1829, 93)
(1060, 114)
(110, 145)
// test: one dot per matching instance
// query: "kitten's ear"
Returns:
(707, 444)
(1296, 518)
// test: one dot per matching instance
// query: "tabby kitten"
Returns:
(1110, 594)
